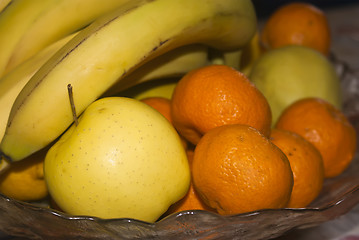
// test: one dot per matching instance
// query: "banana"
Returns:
(229, 58)
(14, 21)
(61, 19)
(250, 54)
(107, 51)
(4, 4)
(12, 83)
(172, 64)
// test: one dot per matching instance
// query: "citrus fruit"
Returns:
(191, 200)
(217, 95)
(237, 169)
(24, 180)
(297, 23)
(326, 127)
(163, 106)
(306, 163)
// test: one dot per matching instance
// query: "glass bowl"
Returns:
(339, 196)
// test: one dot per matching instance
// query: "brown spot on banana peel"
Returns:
(144, 59)
(11, 2)
(161, 43)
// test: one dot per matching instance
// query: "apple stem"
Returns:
(73, 109)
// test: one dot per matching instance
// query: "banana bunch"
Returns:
(172, 64)
(28, 26)
(12, 83)
(117, 44)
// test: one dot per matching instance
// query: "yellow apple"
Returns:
(122, 160)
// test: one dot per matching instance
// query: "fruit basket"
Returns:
(339, 196)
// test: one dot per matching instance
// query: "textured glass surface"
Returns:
(339, 195)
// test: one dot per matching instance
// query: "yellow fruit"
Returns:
(156, 88)
(250, 54)
(24, 180)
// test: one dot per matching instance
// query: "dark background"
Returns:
(265, 7)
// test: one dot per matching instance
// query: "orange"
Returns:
(24, 180)
(191, 201)
(306, 163)
(163, 106)
(217, 95)
(237, 169)
(326, 127)
(297, 23)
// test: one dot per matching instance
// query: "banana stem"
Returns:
(72, 103)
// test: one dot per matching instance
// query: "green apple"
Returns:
(122, 160)
(287, 74)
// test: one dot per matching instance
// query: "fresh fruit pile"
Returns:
(139, 109)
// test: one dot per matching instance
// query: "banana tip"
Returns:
(4, 163)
